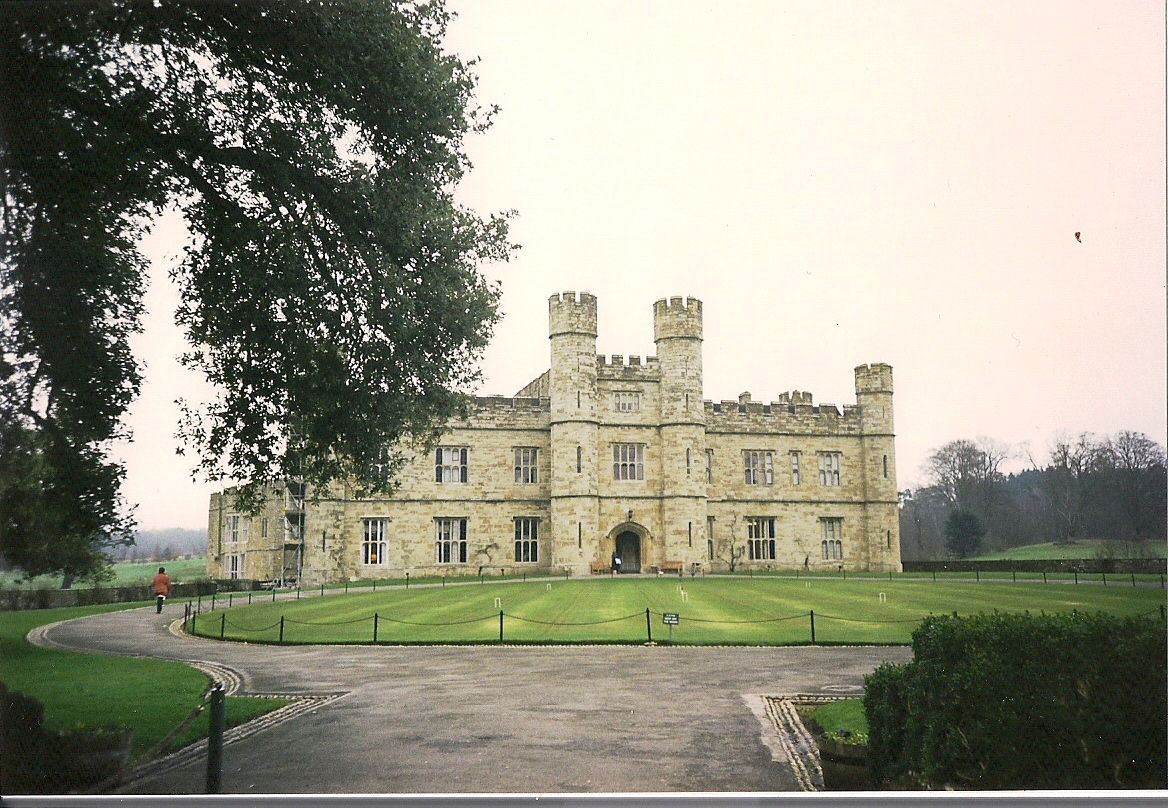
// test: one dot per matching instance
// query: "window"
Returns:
(526, 539)
(829, 469)
(235, 564)
(886, 467)
(709, 538)
(709, 549)
(527, 465)
(450, 464)
(688, 462)
(710, 466)
(579, 459)
(888, 539)
(450, 543)
(689, 529)
(794, 468)
(237, 529)
(381, 464)
(579, 535)
(373, 543)
(832, 546)
(628, 461)
(760, 537)
(626, 401)
(264, 528)
(759, 470)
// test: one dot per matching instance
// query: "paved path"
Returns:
(494, 719)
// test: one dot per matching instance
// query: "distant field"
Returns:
(712, 611)
(1072, 550)
(126, 573)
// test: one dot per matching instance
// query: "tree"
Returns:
(329, 291)
(1136, 466)
(963, 533)
(967, 474)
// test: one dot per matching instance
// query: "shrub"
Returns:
(1023, 701)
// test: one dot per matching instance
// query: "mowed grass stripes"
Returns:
(713, 611)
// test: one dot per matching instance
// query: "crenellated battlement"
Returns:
(511, 403)
(572, 314)
(874, 378)
(677, 317)
(788, 414)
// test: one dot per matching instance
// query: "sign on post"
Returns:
(671, 619)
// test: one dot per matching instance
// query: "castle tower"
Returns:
(677, 332)
(572, 388)
(878, 459)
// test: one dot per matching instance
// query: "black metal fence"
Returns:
(1137, 566)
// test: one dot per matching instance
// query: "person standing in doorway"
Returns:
(161, 587)
(616, 564)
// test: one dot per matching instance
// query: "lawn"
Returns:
(152, 696)
(126, 573)
(712, 611)
(1073, 550)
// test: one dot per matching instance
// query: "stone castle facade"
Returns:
(602, 457)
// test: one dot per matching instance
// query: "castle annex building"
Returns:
(602, 457)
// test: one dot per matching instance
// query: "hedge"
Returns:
(1018, 701)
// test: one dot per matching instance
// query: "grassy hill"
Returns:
(1076, 549)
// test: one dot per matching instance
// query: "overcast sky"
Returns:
(839, 183)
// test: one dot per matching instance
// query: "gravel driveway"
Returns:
(487, 719)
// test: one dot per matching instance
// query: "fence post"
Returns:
(298, 590)
(1162, 615)
(1105, 579)
(249, 598)
(934, 576)
(194, 618)
(1014, 575)
(222, 624)
(1161, 581)
(346, 586)
(215, 740)
(407, 581)
(977, 575)
(200, 601)
(812, 625)
(376, 619)
(1044, 576)
(213, 601)
(500, 625)
(322, 590)
(648, 624)
(281, 629)
(890, 575)
(230, 600)
(1133, 575)
(273, 593)
(1076, 576)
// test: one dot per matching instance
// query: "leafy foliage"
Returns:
(1023, 701)
(329, 290)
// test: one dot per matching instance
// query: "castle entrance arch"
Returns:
(628, 548)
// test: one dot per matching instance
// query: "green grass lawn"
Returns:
(847, 715)
(126, 573)
(759, 611)
(152, 696)
(1075, 549)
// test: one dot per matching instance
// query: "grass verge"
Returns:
(89, 690)
(843, 721)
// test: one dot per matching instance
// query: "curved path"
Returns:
(492, 718)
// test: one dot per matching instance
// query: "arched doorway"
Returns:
(628, 549)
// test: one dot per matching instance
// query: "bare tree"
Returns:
(729, 551)
(1137, 480)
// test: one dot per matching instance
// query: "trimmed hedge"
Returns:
(1018, 701)
(1125, 566)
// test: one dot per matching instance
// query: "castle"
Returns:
(596, 459)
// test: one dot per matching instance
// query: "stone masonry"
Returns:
(601, 457)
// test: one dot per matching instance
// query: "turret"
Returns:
(572, 330)
(677, 331)
(874, 395)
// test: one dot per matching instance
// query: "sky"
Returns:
(839, 183)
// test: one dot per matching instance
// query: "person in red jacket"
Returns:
(161, 587)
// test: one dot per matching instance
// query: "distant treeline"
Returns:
(1112, 487)
(162, 545)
